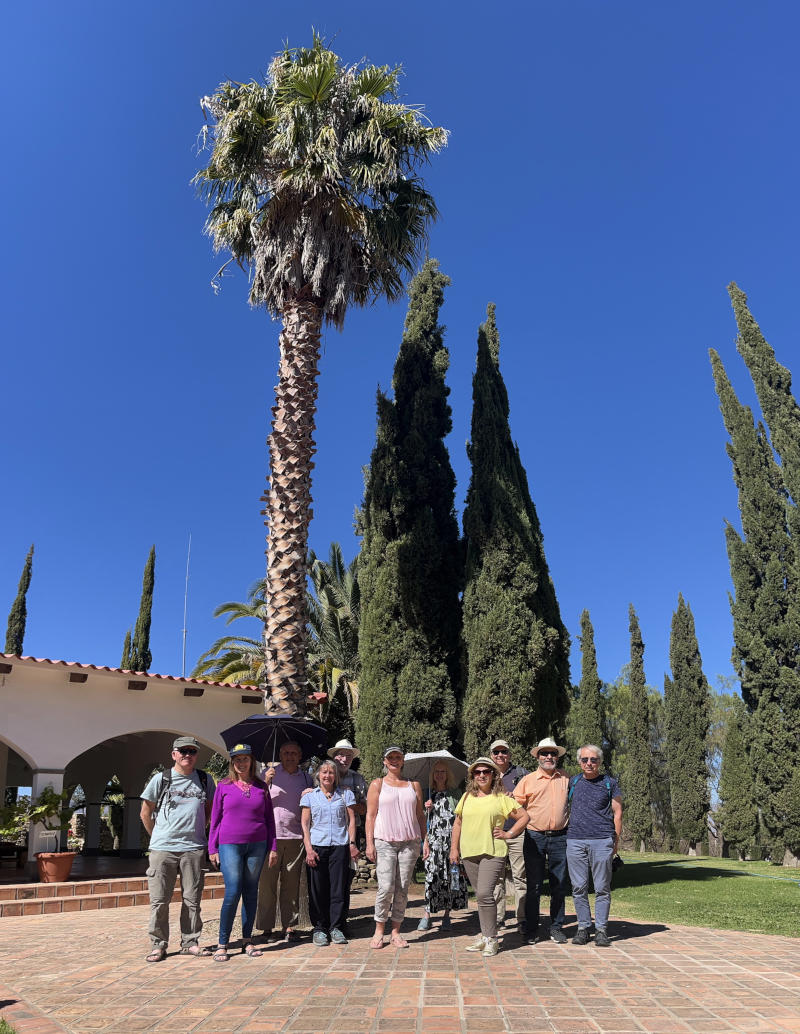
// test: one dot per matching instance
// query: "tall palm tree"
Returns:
(313, 188)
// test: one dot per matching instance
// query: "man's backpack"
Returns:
(166, 783)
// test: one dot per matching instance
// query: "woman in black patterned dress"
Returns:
(440, 809)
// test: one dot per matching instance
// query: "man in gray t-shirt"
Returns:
(176, 807)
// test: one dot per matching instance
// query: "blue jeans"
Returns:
(241, 866)
(539, 848)
(583, 855)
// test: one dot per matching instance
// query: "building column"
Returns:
(39, 839)
(131, 843)
(3, 772)
(94, 816)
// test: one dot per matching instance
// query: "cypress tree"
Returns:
(637, 778)
(125, 663)
(140, 656)
(409, 568)
(737, 814)
(765, 570)
(686, 700)
(516, 645)
(18, 615)
(587, 716)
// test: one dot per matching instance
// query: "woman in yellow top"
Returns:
(478, 840)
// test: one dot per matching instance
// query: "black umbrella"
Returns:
(266, 734)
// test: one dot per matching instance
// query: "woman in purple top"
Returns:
(242, 831)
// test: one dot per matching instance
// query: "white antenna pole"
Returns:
(185, 599)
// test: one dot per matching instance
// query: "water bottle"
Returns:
(455, 877)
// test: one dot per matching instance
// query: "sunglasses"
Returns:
(500, 750)
(482, 771)
(186, 751)
(548, 753)
(590, 761)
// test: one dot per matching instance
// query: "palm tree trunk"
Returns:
(288, 509)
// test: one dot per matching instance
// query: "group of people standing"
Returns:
(265, 829)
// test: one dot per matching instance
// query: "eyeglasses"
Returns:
(500, 750)
(548, 753)
(590, 761)
(186, 751)
(482, 771)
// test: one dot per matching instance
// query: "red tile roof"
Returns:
(122, 671)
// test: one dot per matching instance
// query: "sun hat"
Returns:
(393, 750)
(344, 747)
(185, 741)
(482, 761)
(548, 741)
(499, 743)
(240, 748)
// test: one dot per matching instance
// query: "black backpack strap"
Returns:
(203, 780)
(166, 782)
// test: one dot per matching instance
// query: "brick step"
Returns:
(28, 899)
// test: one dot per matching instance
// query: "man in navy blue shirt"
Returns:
(595, 824)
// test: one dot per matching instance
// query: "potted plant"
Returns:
(53, 812)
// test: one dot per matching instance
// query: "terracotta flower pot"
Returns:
(54, 866)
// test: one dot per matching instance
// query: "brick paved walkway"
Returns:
(84, 973)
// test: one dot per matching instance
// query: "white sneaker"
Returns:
(491, 947)
(479, 945)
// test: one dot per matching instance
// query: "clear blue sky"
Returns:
(612, 166)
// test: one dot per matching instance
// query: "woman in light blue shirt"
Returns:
(329, 835)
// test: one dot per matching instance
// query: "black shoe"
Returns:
(558, 935)
(532, 938)
(601, 938)
(581, 937)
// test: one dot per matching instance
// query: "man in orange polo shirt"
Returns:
(545, 796)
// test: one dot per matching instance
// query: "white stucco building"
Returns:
(64, 723)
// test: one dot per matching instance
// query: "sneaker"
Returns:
(320, 938)
(601, 938)
(479, 944)
(581, 937)
(424, 923)
(491, 948)
(337, 937)
(558, 935)
(445, 922)
(532, 937)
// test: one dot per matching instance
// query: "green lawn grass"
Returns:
(707, 892)
(6, 1028)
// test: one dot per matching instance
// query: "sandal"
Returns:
(196, 951)
(376, 942)
(398, 941)
(251, 950)
(156, 955)
(221, 954)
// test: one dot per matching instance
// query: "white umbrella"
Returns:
(419, 766)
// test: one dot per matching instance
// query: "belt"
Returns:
(550, 832)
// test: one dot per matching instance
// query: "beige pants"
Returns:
(485, 873)
(162, 872)
(516, 863)
(395, 867)
(288, 872)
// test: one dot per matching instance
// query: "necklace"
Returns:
(244, 787)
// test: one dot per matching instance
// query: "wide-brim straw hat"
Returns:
(548, 741)
(342, 746)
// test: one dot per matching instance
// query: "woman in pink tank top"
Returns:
(395, 828)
